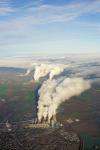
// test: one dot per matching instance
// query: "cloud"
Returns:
(5, 10)
(5, 7)
(83, 65)
(42, 14)
(86, 66)
(22, 19)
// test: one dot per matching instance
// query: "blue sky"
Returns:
(49, 26)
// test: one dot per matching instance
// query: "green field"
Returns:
(20, 99)
(4, 89)
(90, 142)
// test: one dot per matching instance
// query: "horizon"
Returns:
(60, 54)
(29, 61)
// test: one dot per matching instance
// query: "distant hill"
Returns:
(13, 70)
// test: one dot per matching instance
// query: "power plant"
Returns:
(34, 123)
(44, 123)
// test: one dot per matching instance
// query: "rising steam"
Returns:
(54, 92)
(48, 69)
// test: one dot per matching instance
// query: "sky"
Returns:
(49, 26)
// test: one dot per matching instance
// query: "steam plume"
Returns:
(51, 69)
(54, 92)
(26, 74)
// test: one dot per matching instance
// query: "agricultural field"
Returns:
(17, 99)
(85, 108)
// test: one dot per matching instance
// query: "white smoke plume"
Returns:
(54, 92)
(51, 69)
(27, 73)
